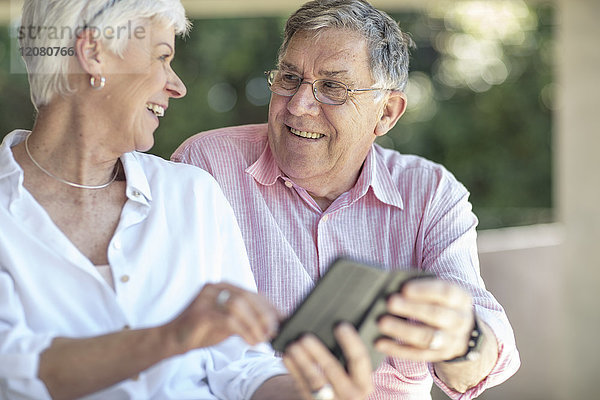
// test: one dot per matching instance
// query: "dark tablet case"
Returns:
(349, 291)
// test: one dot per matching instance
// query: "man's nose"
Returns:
(304, 101)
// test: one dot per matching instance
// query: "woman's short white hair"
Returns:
(57, 23)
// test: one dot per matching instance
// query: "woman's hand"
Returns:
(222, 310)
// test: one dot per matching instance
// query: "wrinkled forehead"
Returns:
(328, 52)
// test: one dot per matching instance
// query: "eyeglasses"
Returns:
(325, 91)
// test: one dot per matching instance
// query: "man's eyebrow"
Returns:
(339, 75)
(288, 67)
(334, 74)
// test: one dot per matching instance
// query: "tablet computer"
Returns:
(349, 291)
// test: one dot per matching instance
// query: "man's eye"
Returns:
(332, 85)
(290, 78)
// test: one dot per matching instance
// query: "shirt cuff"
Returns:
(507, 364)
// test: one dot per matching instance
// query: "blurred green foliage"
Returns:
(496, 140)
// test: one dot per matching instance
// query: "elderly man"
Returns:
(311, 185)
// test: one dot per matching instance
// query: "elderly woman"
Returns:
(107, 288)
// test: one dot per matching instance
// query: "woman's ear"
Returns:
(394, 107)
(89, 51)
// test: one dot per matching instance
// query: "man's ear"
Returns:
(394, 107)
(90, 54)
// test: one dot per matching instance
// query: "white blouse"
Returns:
(106, 274)
(176, 233)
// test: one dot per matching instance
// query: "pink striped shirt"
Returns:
(403, 211)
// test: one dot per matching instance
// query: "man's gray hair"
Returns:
(57, 23)
(387, 45)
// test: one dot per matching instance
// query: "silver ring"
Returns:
(222, 297)
(436, 340)
(325, 393)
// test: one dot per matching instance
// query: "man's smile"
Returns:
(307, 135)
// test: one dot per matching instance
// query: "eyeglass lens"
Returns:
(324, 90)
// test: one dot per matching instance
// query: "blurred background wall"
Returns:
(503, 93)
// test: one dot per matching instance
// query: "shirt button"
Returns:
(325, 218)
(125, 278)
(289, 184)
(117, 244)
(135, 193)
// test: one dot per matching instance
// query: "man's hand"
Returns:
(430, 320)
(313, 366)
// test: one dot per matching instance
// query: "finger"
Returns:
(306, 366)
(237, 327)
(258, 321)
(407, 332)
(202, 323)
(394, 349)
(436, 291)
(269, 316)
(436, 315)
(357, 357)
(224, 306)
(294, 370)
(335, 374)
(427, 344)
(253, 311)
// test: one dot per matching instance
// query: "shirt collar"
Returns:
(138, 188)
(384, 186)
(374, 174)
(265, 170)
(8, 165)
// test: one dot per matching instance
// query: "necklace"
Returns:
(73, 184)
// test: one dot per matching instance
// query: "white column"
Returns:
(577, 180)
